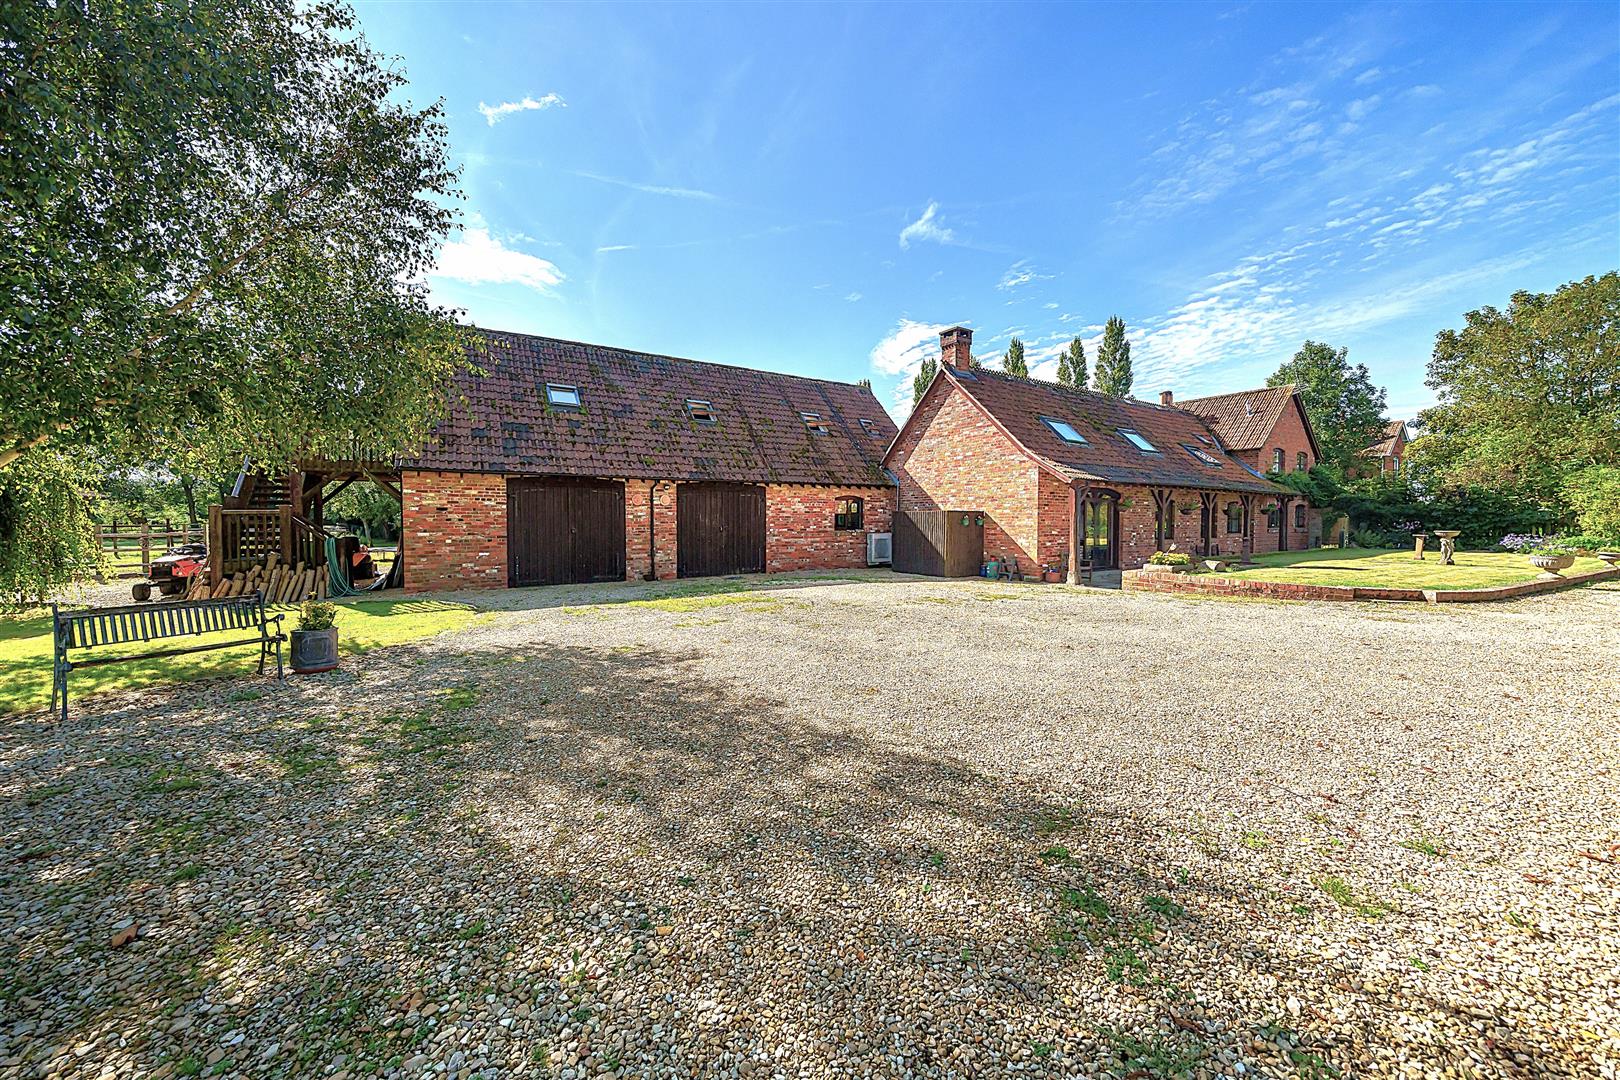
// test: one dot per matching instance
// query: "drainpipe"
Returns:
(652, 532)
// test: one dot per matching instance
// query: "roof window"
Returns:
(1064, 430)
(814, 422)
(701, 412)
(561, 396)
(1131, 436)
(1200, 455)
(870, 428)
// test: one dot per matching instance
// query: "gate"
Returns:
(939, 543)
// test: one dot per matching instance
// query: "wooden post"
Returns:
(216, 544)
(1248, 528)
(285, 514)
(146, 549)
(1077, 535)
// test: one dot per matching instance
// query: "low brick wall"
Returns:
(1211, 585)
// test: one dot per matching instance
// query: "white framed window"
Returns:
(562, 396)
(870, 428)
(1135, 438)
(1199, 455)
(700, 411)
(1064, 430)
(815, 422)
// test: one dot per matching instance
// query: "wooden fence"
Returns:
(123, 541)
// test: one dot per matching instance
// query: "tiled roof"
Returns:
(1394, 431)
(1019, 405)
(633, 420)
(1243, 420)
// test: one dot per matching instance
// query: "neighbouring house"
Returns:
(1064, 475)
(568, 462)
(1390, 450)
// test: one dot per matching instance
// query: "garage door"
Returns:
(562, 531)
(720, 529)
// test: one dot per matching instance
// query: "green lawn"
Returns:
(25, 650)
(1398, 569)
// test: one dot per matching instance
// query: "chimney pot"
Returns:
(1167, 397)
(956, 347)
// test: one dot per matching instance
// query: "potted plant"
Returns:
(315, 639)
(1550, 558)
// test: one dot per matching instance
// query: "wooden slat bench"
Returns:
(90, 628)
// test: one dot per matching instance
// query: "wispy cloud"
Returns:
(1020, 273)
(496, 113)
(615, 247)
(851, 297)
(928, 228)
(651, 189)
(477, 258)
(901, 353)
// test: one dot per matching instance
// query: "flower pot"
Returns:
(314, 650)
(1052, 577)
(1551, 563)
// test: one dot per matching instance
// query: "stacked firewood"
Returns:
(280, 583)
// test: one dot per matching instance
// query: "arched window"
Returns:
(850, 512)
(1234, 517)
(1299, 515)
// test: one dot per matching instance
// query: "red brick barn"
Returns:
(1269, 430)
(568, 462)
(1063, 475)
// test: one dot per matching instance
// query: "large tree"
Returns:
(1528, 396)
(1072, 365)
(216, 219)
(1113, 375)
(924, 376)
(1013, 363)
(1346, 409)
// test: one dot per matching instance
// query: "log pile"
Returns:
(280, 583)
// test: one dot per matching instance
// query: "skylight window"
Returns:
(870, 428)
(814, 422)
(1207, 459)
(1131, 436)
(560, 396)
(701, 412)
(1064, 430)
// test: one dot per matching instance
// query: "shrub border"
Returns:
(1212, 585)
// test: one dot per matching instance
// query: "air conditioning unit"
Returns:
(879, 549)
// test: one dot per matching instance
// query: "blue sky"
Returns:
(818, 189)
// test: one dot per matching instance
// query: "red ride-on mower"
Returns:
(173, 572)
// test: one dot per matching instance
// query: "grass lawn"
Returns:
(25, 650)
(1372, 568)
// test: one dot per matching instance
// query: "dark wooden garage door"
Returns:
(720, 529)
(562, 531)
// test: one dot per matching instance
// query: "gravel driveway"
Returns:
(885, 827)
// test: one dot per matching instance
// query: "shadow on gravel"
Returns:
(549, 828)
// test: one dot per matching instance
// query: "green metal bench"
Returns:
(90, 628)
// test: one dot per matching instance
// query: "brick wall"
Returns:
(454, 530)
(799, 533)
(636, 528)
(954, 458)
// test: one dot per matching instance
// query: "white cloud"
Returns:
(1359, 108)
(496, 113)
(478, 258)
(901, 353)
(1020, 273)
(652, 189)
(1370, 75)
(615, 247)
(852, 296)
(926, 228)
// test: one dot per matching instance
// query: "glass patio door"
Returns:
(1100, 520)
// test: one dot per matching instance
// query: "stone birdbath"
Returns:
(1448, 545)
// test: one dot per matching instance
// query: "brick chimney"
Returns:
(1167, 397)
(956, 346)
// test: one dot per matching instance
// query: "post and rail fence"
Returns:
(148, 539)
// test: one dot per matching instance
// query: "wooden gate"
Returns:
(940, 543)
(564, 531)
(719, 529)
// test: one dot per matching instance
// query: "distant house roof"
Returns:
(1244, 420)
(1394, 435)
(1023, 407)
(644, 416)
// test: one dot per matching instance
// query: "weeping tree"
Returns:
(217, 220)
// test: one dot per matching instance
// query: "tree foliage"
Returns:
(1072, 365)
(217, 217)
(1346, 409)
(46, 529)
(1593, 495)
(1013, 363)
(924, 376)
(1527, 396)
(1113, 374)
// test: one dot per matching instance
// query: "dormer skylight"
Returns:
(1200, 455)
(1133, 437)
(1064, 430)
(562, 396)
(870, 428)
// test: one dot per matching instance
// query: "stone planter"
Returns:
(1219, 566)
(1610, 558)
(314, 650)
(1551, 563)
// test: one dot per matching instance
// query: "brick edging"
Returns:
(1210, 585)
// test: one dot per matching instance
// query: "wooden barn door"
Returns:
(719, 529)
(560, 532)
